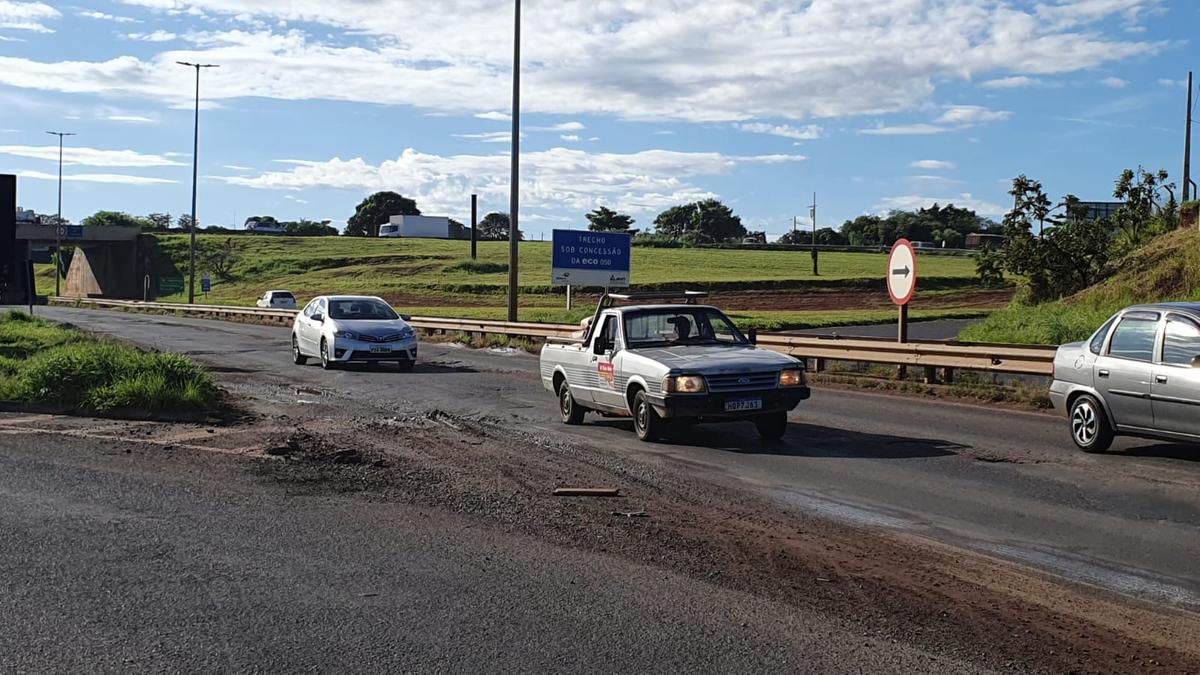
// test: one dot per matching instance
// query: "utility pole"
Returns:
(58, 218)
(813, 212)
(514, 187)
(1187, 143)
(195, 177)
(474, 224)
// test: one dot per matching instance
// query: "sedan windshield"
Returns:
(680, 326)
(361, 309)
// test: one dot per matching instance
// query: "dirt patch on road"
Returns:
(899, 587)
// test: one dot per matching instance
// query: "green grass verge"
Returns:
(314, 265)
(1168, 269)
(44, 363)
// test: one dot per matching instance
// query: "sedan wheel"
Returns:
(326, 363)
(297, 358)
(1089, 427)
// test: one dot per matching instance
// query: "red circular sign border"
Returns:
(911, 291)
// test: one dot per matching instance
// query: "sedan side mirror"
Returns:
(753, 336)
(406, 317)
(318, 317)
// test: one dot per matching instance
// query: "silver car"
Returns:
(1139, 375)
(345, 328)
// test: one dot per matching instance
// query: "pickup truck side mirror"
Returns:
(600, 346)
(1196, 362)
(753, 336)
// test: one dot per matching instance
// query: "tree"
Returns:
(260, 221)
(376, 210)
(219, 257)
(160, 222)
(701, 222)
(494, 227)
(185, 221)
(114, 219)
(604, 219)
(1142, 217)
(989, 265)
(826, 236)
(948, 238)
(308, 228)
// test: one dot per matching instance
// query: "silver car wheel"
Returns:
(1084, 423)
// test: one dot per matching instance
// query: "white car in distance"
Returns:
(277, 300)
(341, 329)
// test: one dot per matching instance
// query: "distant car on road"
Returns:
(670, 364)
(277, 300)
(1138, 375)
(352, 328)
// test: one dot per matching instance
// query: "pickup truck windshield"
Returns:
(680, 326)
(361, 310)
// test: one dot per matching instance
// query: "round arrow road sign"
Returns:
(902, 272)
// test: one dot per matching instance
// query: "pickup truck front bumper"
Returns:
(712, 406)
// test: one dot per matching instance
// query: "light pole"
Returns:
(513, 228)
(58, 217)
(195, 161)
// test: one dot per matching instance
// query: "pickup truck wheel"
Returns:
(568, 409)
(297, 357)
(772, 426)
(646, 422)
(1089, 425)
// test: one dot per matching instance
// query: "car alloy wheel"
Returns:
(325, 361)
(1089, 426)
(297, 357)
(1083, 423)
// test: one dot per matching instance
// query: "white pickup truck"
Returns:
(670, 364)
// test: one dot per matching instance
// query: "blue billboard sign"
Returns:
(205, 284)
(584, 258)
(74, 232)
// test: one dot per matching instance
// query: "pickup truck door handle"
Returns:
(1103, 373)
(1161, 379)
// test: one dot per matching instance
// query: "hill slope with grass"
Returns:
(1168, 269)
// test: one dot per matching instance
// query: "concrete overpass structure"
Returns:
(109, 262)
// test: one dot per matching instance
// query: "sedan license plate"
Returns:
(743, 404)
(381, 350)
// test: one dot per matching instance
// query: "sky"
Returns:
(630, 104)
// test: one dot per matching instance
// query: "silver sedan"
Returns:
(1138, 375)
(352, 328)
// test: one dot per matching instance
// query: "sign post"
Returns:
(206, 284)
(583, 258)
(902, 284)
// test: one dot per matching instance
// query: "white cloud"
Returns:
(806, 133)
(552, 179)
(495, 116)
(27, 16)
(236, 167)
(565, 126)
(1114, 83)
(117, 178)
(132, 119)
(1166, 82)
(905, 130)
(88, 156)
(156, 36)
(693, 60)
(489, 137)
(101, 16)
(932, 164)
(963, 200)
(1015, 82)
(969, 115)
(570, 138)
(296, 199)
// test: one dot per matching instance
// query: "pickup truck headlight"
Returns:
(349, 335)
(684, 384)
(792, 377)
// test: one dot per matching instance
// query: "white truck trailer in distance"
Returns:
(429, 227)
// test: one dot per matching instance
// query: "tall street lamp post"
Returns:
(513, 227)
(58, 217)
(195, 164)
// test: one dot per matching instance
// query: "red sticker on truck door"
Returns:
(608, 372)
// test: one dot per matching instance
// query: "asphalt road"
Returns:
(1002, 482)
(158, 561)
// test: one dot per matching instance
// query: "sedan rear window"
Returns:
(283, 296)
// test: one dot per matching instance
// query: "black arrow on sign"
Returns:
(903, 271)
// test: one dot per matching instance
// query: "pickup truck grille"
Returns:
(743, 381)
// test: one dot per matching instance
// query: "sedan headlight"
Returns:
(792, 377)
(684, 384)
(407, 333)
(349, 335)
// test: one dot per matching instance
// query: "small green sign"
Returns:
(170, 285)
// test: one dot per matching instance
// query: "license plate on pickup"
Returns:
(739, 404)
(381, 350)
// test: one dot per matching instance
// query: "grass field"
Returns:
(41, 362)
(437, 277)
(1167, 269)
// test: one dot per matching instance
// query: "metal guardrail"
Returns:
(994, 358)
